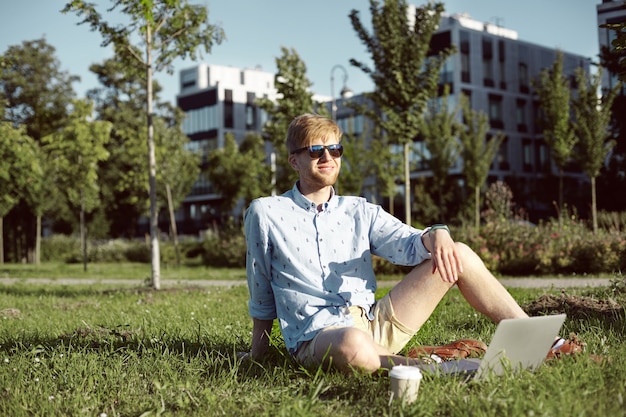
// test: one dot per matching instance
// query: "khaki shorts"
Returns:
(385, 329)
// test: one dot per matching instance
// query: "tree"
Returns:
(477, 151)
(592, 119)
(37, 94)
(439, 129)
(356, 164)
(179, 170)
(294, 99)
(554, 102)
(165, 29)
(74, 153)
(19, 166)
(237, 171)
(405, 72)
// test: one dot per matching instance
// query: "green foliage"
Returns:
(238, 172)
(294, 99)
(515, 247)
(553, 89)
(439, 130)
(225, 247)
(477, 151)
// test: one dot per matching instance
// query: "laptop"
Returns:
(517, 344)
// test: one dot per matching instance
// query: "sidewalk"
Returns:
(507, 282)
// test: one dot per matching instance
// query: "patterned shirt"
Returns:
(306, 267)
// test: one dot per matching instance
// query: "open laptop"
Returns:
(516, 344)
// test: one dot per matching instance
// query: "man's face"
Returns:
(316, 173)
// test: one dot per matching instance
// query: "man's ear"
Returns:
(293, 161)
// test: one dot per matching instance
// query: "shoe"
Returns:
(566, 347)
(459, 349)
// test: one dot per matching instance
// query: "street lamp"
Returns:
(345, 91)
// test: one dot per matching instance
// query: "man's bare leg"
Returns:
(418, 294)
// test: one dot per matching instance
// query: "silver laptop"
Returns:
(516, 344)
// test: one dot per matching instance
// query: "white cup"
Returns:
(405, 383)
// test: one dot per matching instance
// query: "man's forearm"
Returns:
(261, 330)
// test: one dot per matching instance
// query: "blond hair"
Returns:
(304, 129)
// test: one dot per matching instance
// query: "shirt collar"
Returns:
(307, 204)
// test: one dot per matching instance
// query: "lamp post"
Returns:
(345, 91)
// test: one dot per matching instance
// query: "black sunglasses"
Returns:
(317, 151)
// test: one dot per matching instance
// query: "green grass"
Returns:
(123, 270)
(88, 350)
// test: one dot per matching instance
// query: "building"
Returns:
(217, 100)
(496, 70)
(492, 66)
(609, 12)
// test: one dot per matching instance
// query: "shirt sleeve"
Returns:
(396, 241)
(261, 304)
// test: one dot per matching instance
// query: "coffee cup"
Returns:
(405, 382)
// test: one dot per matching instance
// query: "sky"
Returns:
(320, 32)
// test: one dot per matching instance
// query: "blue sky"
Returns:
(319, 31)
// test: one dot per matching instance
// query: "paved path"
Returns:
(507, 282)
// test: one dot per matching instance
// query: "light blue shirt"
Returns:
(306, 267)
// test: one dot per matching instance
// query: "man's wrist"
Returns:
(439, 226)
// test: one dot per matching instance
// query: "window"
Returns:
(251, 112)
(523, 78)
(488, 63)
(502, 64)
(495, 111)
(465, 57)
(229, 121)
(502, 159)
(527, 155)
(242, 77)
(520, 115)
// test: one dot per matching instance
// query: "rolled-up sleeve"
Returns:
(261, 304)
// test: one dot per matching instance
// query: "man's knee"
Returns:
(355, 349)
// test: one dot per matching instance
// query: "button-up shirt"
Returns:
(306, 266)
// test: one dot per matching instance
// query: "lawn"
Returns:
(101, 350)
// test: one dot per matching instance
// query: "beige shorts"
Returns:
(385, 329)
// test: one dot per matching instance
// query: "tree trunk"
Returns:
(594, 208)
(170, 207)
(154, 215)
(1, 239)
(83, 234)
(477, 207)
(407, 185)
(38, 241)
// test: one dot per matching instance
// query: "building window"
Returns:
(229, 119)
(502, 159)
(251, 112)
(465, 57)
(488, 80)
(242, 77)
(527, 155)
(524, 86)
(502, 64)
(541, 157)
(520, 116)
(495, 111)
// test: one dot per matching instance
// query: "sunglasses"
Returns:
(317, 151)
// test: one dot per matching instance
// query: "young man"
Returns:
(309, 264)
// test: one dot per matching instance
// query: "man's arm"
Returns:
(444, 253)
(261, 330)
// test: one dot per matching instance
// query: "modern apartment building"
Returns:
(495, 70)
(609, 11)
(492, 66)
(217, 100)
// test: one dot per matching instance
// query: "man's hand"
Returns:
(444, 255)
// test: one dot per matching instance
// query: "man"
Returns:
(309, 264)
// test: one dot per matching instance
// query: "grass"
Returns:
(97, 350)
(123, 270)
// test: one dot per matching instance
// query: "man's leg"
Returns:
(350, 348)
(416, 296)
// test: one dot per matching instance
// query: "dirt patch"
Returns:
(574, 306)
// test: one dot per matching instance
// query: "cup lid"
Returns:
(405, 372)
